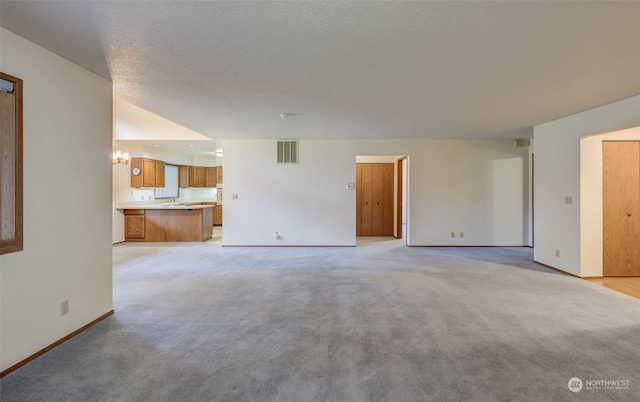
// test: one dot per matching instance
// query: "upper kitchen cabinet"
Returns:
(219, 180)
(196, 178)
(159, 174)
(147, 172)
(210, 176)
(184, 173)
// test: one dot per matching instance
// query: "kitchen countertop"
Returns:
(169, 206)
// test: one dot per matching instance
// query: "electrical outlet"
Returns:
(557, 253)
(64, 307)
(568, 200)
(453, 234)
(461, 235)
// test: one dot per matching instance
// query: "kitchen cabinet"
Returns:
(196, 176)
(217, 215)
(147, 172)
(184, 173)
(159, 180)
(210, 176)
(134, 225)
(219, 174)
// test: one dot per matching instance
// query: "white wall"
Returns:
(557, 174)
(591, 217)
(131, 122)
(67, 193)
(454, 185)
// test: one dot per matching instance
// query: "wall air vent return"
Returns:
(287, 151)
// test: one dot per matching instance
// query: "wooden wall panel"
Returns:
(174, 225)
(207, 223)
(621, 208)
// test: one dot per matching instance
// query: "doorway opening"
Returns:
(381, 200)
(609, 206)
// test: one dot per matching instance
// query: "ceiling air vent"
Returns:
(288, 151)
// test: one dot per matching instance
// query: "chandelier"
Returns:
(120, 157)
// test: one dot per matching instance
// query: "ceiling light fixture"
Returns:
(283, 115)
(120, 158)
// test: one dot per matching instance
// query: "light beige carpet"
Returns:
(379, 322)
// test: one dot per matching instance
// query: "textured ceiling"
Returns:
(227, 69)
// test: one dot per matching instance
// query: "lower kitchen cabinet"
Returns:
(217, 215)
(134, 225)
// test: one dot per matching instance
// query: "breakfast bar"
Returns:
(168, 223)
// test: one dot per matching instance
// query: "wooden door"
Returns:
(374, 199)
(621, 208)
